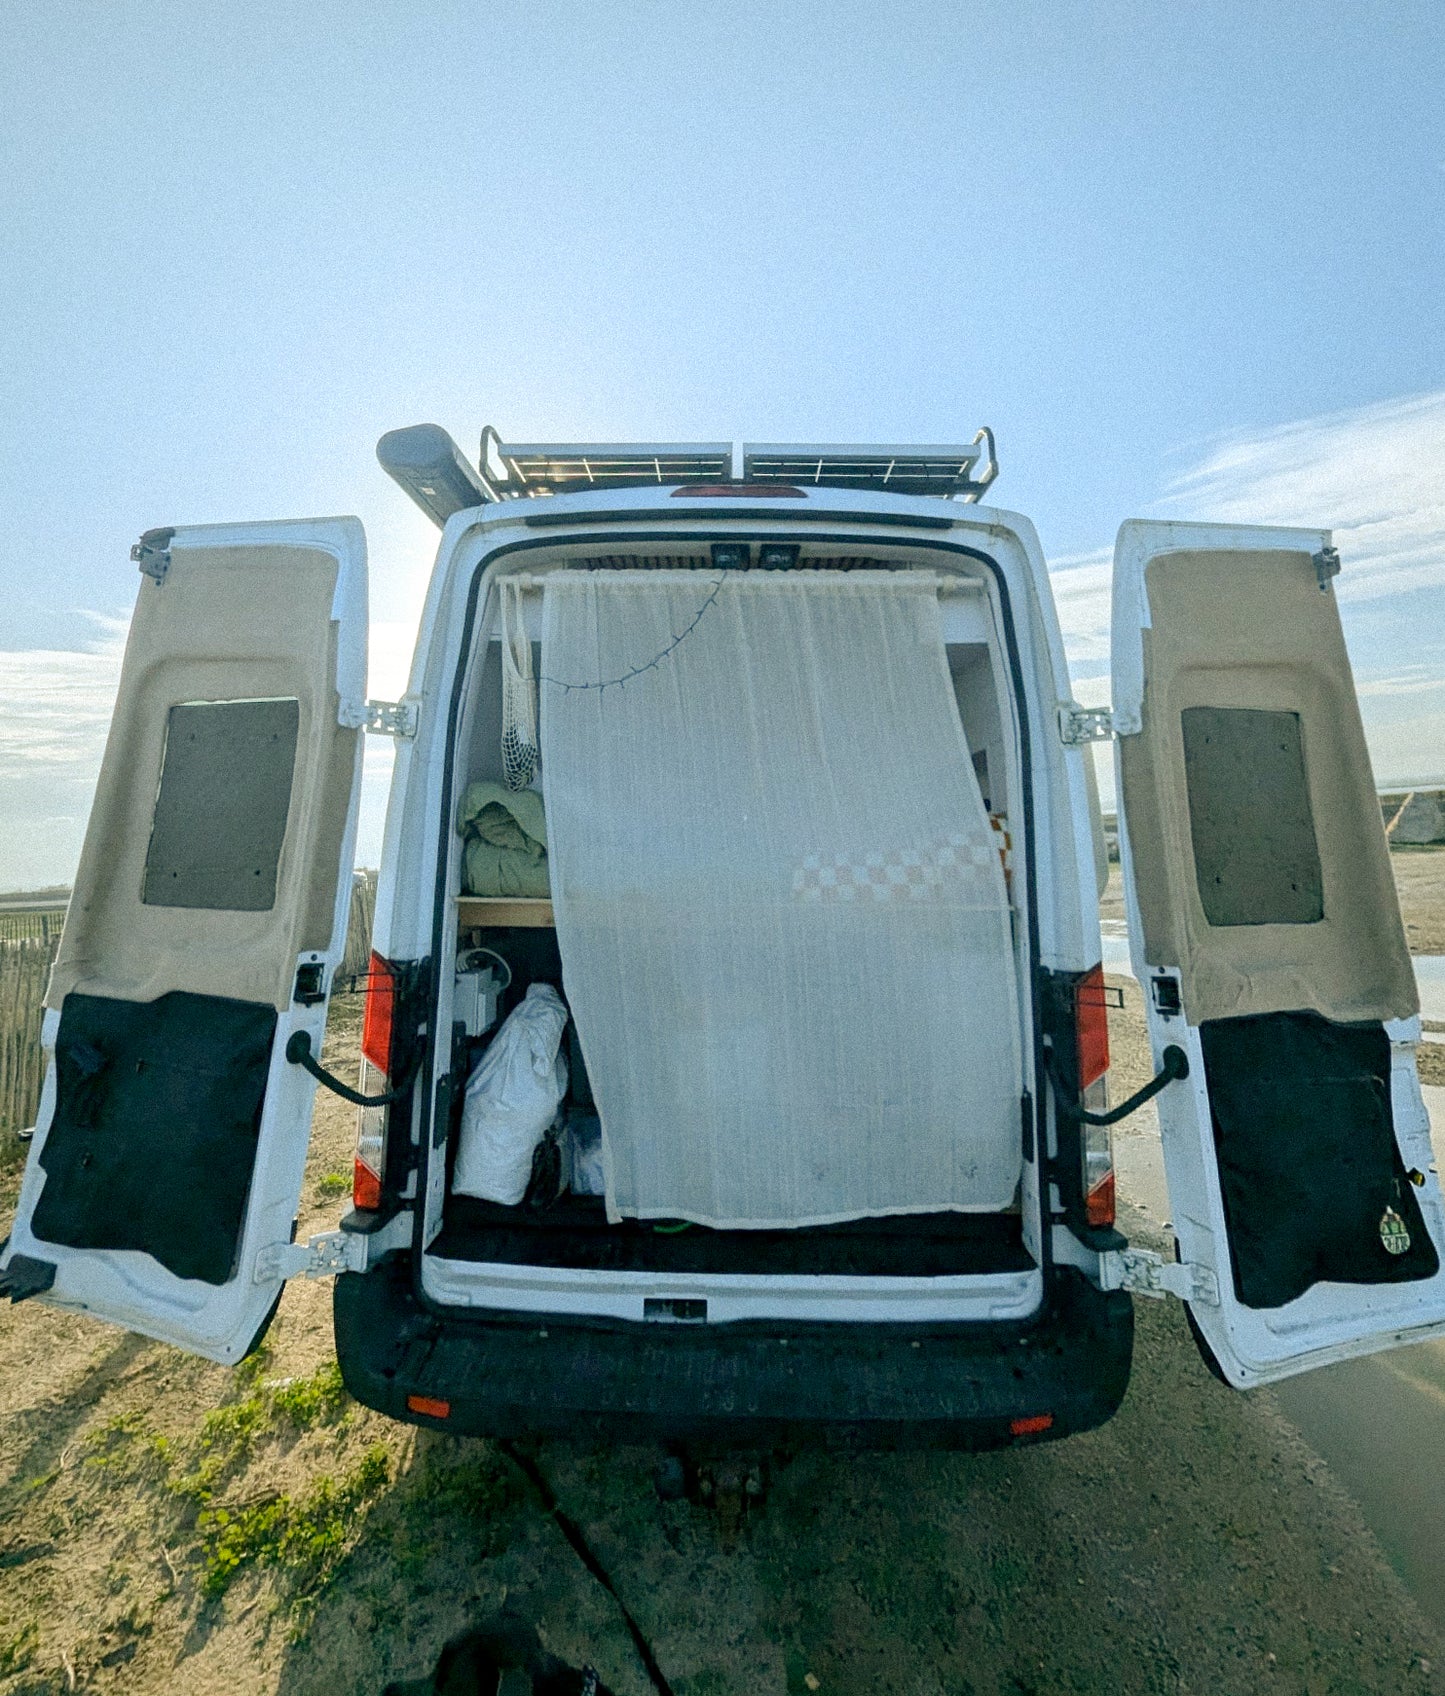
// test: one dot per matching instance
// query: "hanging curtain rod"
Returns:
(946, 584)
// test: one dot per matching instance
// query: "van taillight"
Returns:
(365, 1184)
(376, 1022)
(376, 1037)
(1091, 1039)
(1099, 1193)
(1091, 1027)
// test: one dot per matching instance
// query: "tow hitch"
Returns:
(731, 1485)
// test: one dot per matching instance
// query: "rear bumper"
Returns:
(878, 1385)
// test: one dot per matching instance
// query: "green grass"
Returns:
(330, 1185)
(17, 1652)
(195, 1468)
(302, 1537)
(12, 1163)
(304, 1402)
(228, 1435)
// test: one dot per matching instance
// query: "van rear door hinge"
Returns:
(324, 1256)
(1078, 725)
(383, 718)
(1143, 1273)
(1327, 565)
(152, 553)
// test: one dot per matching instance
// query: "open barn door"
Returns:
(1266, 933)
(209, 912)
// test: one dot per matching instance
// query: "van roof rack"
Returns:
(425, 461)
(950, 472)
(551, 468)
(561, 468)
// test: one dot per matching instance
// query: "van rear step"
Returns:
(868, 1386)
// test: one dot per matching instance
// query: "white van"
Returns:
(846, 1066)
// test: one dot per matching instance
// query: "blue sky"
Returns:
(1185, 260)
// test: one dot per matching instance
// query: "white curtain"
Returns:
(784, 929)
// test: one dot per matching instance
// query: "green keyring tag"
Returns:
(1394, 1233)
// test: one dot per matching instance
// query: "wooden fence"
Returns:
(19, 927)
(24, 969)
(28, 942)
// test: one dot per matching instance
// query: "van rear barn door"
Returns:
(209, 912)
(1265, 930)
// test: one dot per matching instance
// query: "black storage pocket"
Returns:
(157, 1116)
(1313, 1185)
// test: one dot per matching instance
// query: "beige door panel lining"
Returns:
(1237, 629)
(227, 623)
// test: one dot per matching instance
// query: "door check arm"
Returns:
(298, 1052)
(1176, 1065)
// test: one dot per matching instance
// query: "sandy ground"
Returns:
(1419, 879)
(1194, 1545)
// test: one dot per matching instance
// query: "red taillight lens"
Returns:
(376, 1035)
(1091, 1027)
(1030, 1425)
(1099, 1201)
(740, 491)
(376, 1022)
(433, 1406)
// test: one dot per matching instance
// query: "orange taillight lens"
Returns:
(433, 1406)
(365, 1185)
(1031, 1424)
(1099, 1201)
(1091, 1027)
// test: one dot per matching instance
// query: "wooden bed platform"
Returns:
(506, 912)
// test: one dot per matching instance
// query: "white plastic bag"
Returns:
(512, 1097)
(585, 1175)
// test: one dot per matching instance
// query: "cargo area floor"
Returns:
(574, 1232)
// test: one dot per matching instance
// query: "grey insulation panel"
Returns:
(220, 815)
(1256, 857)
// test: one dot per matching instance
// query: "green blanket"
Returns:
(506, 841)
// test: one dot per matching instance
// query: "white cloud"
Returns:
(1081, 594)
(55, 709)
(1405, 683)
(1374, 477)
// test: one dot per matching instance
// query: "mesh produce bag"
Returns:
(519, 692)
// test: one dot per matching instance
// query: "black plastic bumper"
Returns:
(860, 1385)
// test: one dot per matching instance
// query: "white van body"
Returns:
(1262, 923)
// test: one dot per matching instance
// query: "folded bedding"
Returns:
(505, 832)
